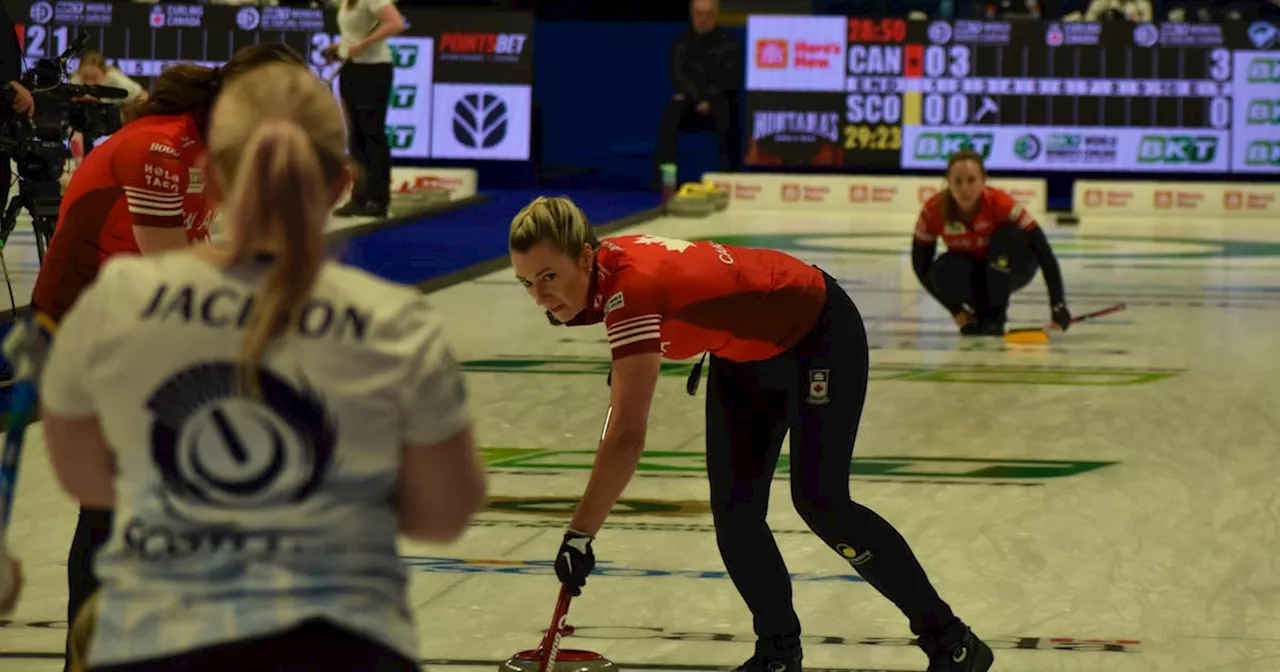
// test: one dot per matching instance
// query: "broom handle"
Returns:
(1089, 316)
(550, 646)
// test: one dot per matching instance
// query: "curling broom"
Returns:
(1039, 335)
(544, 658)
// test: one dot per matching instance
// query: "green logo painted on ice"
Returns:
(1006, 375)
(676, 462)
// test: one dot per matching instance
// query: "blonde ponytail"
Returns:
(278, 161)
(276, 139)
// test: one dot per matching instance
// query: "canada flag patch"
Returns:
(819, 387)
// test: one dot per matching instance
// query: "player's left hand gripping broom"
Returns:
(25, 350)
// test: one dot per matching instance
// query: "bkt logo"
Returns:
(404, 96)
(1177, 149)
(401, 137)
(1262, 153)
(404, 55)
(1264, 70)
(940, 146)
(1263, 112)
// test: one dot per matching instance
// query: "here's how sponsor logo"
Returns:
(796, 53)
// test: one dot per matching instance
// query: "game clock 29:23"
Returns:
(878, 137)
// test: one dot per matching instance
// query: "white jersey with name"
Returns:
(240, 517)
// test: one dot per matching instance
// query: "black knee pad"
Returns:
(1007, 240)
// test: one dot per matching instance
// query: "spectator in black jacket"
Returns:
(706, 76)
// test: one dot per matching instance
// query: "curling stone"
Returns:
(691, 201)
(418, 199)
(568, 660)
(718, 196)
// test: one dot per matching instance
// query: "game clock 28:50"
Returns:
(877, 137)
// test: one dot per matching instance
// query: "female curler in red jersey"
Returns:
(994, 247)
(788, 353)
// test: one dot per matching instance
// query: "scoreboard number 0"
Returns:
(1219, 112)
(940, 109)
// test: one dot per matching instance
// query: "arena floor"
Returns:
(1107, 503)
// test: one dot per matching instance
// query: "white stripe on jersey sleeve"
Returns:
(634, 330)
(150, 202)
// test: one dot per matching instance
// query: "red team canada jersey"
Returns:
(142, 175)
(680, 299)
(996, 208)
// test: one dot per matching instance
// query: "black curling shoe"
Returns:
(968, 654)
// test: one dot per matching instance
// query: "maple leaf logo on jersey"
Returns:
(672, 244)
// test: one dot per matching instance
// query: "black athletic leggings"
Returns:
(314, 646)
(93, 529)
(816, 390)
(365, 89)
(960, 279)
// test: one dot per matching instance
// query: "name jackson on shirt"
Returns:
(225, 307)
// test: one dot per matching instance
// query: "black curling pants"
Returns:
(365, 89)
(816, 390)
(93, 529)
(314, 646)
(960, 279)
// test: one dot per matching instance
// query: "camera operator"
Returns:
(94, 71)
(16, 99)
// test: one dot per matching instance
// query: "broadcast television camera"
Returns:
(38, 144)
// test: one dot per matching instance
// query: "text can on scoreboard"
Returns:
(1029, 95)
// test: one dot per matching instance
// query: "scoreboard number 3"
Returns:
(320, 42)
(1220, 64)
(942, 61)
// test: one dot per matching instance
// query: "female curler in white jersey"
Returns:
(263, 421)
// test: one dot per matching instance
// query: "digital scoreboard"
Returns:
(462, 87)
(1029, 95)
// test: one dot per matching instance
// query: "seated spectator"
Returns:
(94, 71)
(706, 77)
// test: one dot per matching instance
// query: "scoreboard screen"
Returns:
(1029, 95)
(462, 84)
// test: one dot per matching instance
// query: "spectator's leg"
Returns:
(721, 118)
(669, 136)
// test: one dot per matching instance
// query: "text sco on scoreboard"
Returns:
(462, 85)
(1029, 95)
